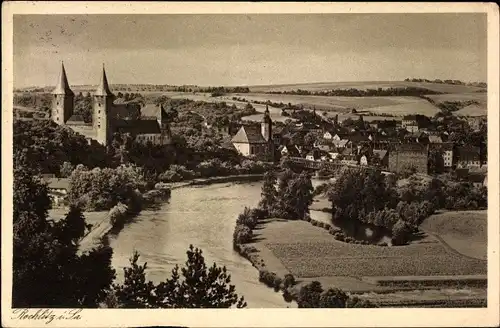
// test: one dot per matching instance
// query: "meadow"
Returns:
(464, 231)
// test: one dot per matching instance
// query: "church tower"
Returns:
(103, 102)
(63, 99)
(266, 126)
(166, 135)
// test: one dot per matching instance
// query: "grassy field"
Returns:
(464, 231)
(363, 85)
(422, 107)
(308, 251)
(473, 110)
(340, 105)
(481, 97)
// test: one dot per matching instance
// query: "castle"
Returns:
(108, 118)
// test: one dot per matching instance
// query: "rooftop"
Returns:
(249, 134)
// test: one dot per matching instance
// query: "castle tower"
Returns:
(63, 100)
(266, 125)
(103, 102)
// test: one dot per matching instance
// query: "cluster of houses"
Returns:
(391, 145)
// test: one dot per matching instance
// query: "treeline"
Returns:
(369, 197)
(454, 82)
(215, 91)
(101, 189)
(352, 92)
(448, 107)
(218, 113)
(46, 145)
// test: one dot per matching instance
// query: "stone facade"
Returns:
(408, 155)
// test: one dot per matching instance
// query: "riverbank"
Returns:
(213, 180)
(115, 218)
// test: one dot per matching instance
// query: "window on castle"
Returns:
(58, 102)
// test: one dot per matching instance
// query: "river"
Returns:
(204, 216)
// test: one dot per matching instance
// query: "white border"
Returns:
(259, 317)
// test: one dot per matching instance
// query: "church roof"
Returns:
(249, 134)
(136, 127)
(62, 87)
(103, 88)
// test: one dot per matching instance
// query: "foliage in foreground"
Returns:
(45, 253)
(312, 295)
(195, 286)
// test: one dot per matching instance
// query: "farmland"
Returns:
(464, 231)
(311, 253)
(363, 85)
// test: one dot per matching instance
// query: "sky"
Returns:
(257, 49)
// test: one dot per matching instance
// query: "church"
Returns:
(250, 140)
(108, 118)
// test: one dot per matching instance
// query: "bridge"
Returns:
(316, 165)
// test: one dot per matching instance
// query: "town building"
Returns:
(409, 155)
(58, 190)
(108, 117)
(289, 150)
(468, 156)
(413, 123)
(475, 122)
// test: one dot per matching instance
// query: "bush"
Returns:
(277, 283)
(288, 281)
(117, 213)
(314, 222)
(268, 278)
(400, 233)
(287, 296)
(176, 173)
(259, 213)
(333, 298)
(327, 226)
(246, 218)
(356, 302)
(242, 234)
(161, 186)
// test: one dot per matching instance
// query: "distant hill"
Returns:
(363, 85)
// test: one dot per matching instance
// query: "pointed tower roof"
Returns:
(103, 88)
(62, 87)
(266, 118)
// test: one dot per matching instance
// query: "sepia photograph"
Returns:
(332, 159)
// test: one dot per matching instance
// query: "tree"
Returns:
(196, 286)
(269, 194)
(310, 295)
(295, 194)
(66, 169)
(309, 139)
(45, 253)
(436, 161)
(135, 292)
